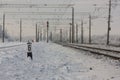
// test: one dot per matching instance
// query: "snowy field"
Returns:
(10, 44)
(55, 62)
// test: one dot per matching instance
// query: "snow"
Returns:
(55, 62)
(8, 44)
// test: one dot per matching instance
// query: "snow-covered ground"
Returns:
(9, 44)
(55, 62)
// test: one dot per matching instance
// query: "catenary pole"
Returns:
(109, 20)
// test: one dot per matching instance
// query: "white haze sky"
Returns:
(95, 7)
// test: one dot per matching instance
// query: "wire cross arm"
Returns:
(36, 5)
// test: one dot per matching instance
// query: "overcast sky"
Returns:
(97, 8)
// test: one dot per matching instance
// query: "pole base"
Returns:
(29, 54)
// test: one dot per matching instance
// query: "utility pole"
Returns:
(20, 30)
(36, 32)
(41, 36)
(76, 33)
(51, 36)
(70, 33)
(44, 34)
(47, 31)
(67, 32)
(89, 29)
(82, 32)
(73, 25)
(60, 35)
(109, 20)
(3, 28)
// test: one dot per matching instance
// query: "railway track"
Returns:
(101, 51)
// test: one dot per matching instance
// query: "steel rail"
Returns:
(106, 52)
(97, 48)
